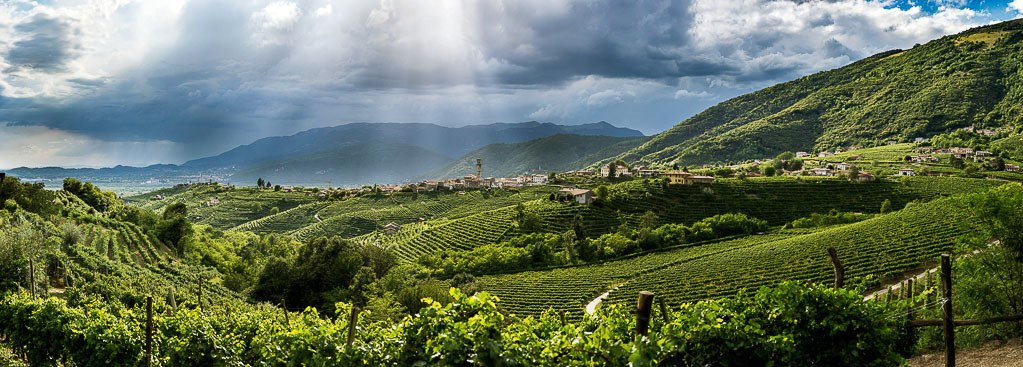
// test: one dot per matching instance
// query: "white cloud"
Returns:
(279, 15)
(685, 93)
(1016, 5)
(326, 10)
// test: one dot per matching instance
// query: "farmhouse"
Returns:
(825, 154)
(923, 158)
(843, 166)
(581, 196)
(620, 171)
(648, 173)
(864, 177)
(820, 172)
(906, 172)
(1012, 168)
(802, 154)
(686, 178)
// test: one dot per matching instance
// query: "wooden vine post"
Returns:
(643, 305)
(839, 270)
(149, 331)
(352, 320)
(173, 303)
(664, 310)
(949, 327)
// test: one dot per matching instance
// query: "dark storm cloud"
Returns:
(50, 44)
(642, 39)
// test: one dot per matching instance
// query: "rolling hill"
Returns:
(553, 153)
(968, 79)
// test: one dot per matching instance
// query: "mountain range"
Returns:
(359, 153)
(969, 79)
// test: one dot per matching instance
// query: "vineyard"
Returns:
(880, 247)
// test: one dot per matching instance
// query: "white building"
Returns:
(906, 172)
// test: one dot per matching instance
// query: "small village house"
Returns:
(686, 178)
(1012, 168)
(620, 171)
(581, 196)
(906, 172)
(821, 172)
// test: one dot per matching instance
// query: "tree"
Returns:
(769, 171)
(1001, 212)
(611, 171)
(602, 192)
(259, 183)
(531, 223)
(956, 162)
(886, 206)
(266, 185)
(649, 220)
(178, 209)
(784, 156)
(854, 173)
(277, 187)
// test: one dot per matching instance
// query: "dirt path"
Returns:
(592, 306)
(993, 354)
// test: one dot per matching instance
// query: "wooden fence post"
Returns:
(946, 285)
(149, 331)
(664, 310)
(562, 314)
(839, 270)
(643, 306)
(352, 320)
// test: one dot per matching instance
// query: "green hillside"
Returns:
(880, 247)
(557, 153)
(969, 79)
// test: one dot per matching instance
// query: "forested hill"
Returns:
(969, 79)
(558, 153)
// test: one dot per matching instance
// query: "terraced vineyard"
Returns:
(781, 199)
(569, 289)
(235, 207)
(881, 246)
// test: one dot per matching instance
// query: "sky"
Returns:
(89, 83)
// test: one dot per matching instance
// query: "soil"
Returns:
(991, 354)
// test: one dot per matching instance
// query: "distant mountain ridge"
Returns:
(557, 153)
(448, 141)
(972, 78)
(349, 154)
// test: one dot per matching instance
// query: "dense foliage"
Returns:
(786, 325)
